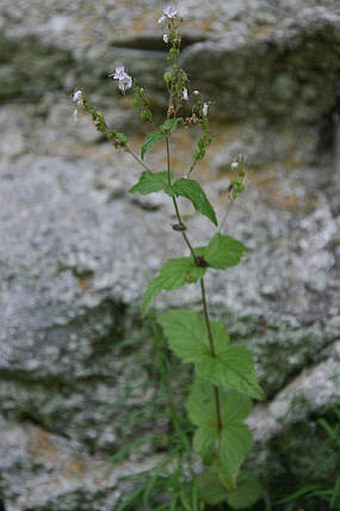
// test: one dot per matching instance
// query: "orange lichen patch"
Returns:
(285, 202)
(55, 481)
(74, 468)
(269, 183)
(83, 283)
(266, 178)
(264, 31)
(43, 448)
(291, 162)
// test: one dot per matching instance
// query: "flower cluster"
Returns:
(169, 13)
(124, 80)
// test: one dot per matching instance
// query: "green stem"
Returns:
(168, 160)
(213, 354)
(178, 215)
(204, 300)
(135, 157)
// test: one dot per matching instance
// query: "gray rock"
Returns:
(70, 293)
(76, 251)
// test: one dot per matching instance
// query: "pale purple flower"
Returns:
(185, 94)
(166, 38)
(170, 11)
(78, 97)
(124, 80)
(205, 109)
(234, 165)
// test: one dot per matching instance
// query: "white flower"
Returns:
(78, 97)
(78, 100)
(166, 38)
(196, 92)
(185, 94)
(205, 109)
(234, 165)
(124, 80)
(170, 11)
(162, 19)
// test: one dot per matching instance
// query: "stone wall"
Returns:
(76, 249)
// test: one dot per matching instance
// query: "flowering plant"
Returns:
(225, 381)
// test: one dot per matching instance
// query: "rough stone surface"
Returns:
(76, 251)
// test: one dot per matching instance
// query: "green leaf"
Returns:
(201, 405)
(156, 136)
(222, 252)
(151, 140)
(205, 443)
(231, 369)
(151, 182)
(171, 124)
(233, 442)
(187, 335)
(210, 489)
(246, 494)
(174, 274)
(193, 191)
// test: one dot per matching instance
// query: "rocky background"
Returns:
(76, 250)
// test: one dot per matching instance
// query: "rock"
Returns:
(71, 288)
(44, 471)
(76, 364)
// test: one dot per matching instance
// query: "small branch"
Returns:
(137, 158)
(226, 213)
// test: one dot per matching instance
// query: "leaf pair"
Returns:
(156, 136)
(233, 441)
(212, 490)
(221, 253)
(231, 369)
(151, 182)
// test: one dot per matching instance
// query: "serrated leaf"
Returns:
(174, 274)
(205, 443)
(151, 139)
(246, 494)
(222, 252)
(232, 445)
(232, 369)
(201, 405)
(210, 489)
(151, 182)
(187, 334)
(233, 442)
(192, 190)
